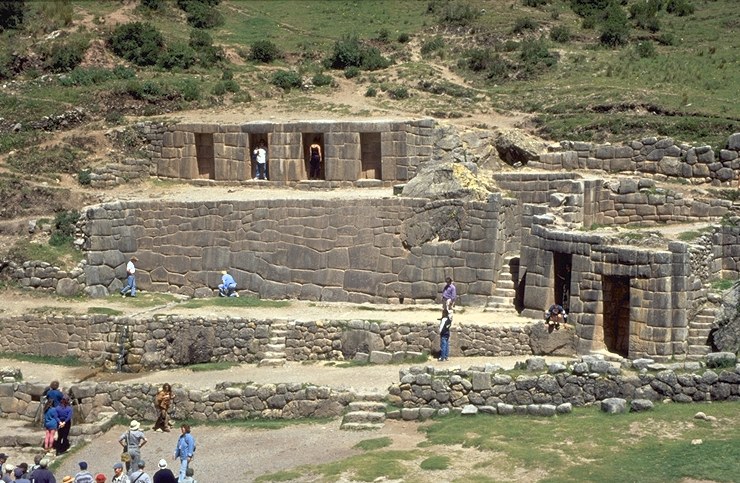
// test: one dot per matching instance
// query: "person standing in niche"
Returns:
(449, 295)
(314, 163)
(260, 156)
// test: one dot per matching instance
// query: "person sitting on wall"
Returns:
(554, 316)
(227, 287)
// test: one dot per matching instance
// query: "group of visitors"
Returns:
(57, 417)
(36, 473)
(134, 440)
(449, 296)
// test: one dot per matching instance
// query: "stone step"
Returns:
(374, 406)
(703, 319)
(272, 362)
(697, 332)
(278, 333)
(701, 324)
(361, 426)
(364, 417)
(699, 350)
(274, 355)
(370, 396)
(496, 299)
(505, 284)
(275, 347)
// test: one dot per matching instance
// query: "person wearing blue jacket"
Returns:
(51, 424)
(185, 450)
(227, 288)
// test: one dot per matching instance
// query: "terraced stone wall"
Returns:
(380, 251)
(662, 157)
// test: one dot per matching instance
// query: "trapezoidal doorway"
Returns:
(561, 264)
(370, 155)
(204, 156)
(616, 296)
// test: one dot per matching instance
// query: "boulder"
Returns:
(516, 147)
(614, 405)
(556, 343)
(66, 287)
(448, 180)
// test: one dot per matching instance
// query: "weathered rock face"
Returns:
(727, 335)
(444, 181)
(354, 341)
(515, 146)
(556, 343)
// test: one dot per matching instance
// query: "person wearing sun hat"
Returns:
(132, 441)
(164, 474)
(118, 475)
(100, 478)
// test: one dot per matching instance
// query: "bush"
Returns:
(12, 14)
(535, 56)
(534, 3)
(351, 72)
(644, 13)
(383, 35)
(524, 23)
(479, 60)
(371, 92)
(83, 177)
(615, 29)
(349, 51)
(403, 38)
(680, 8)
(64, 227)
(152, 4)
(322, 79)
(138, 42)
(667, 38)
(201, 13)
(265, 51)
(645, 49)
(560, 34)
(177, 56)
(498, 69)
(149, 91)
(224, 86)
(590, 8)
(190, 90)
(286, 79)
(458, 14)
(431, 45)
(65, 56)
(88, 76)
(399, 92)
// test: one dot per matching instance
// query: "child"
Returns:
(554, 316)
(444, 335)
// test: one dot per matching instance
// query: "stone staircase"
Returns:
(504, 296)
(365, 413)
(699, 328)
(275, 349)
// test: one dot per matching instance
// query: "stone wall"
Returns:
(661, 157)
(181, 150)
(170, 341)
(333, 250)
(44, 276)
(579, 383)
(114, 174)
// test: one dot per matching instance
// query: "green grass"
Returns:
(64, 256)
(104, 311)
(66, 361)
(437, 462)
(723, 285)
(148, 299)
(373, 444)
(212, 366)
(232, 302)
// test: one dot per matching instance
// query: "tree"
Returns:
(615, 29)
(11, 14)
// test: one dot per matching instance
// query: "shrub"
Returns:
(351, 72)
(83, 177)
(224, 86)
(403, 38)
(65, 56)
(265, 51)
(479, 59)
(286, 79)
(536, 56)
(590, 8)
(149, 91)
(322, 79)
(680, 8)
(498, 69)
(534, 3)
(177, 56)
(63, 228)
(371, 92)
(87, 76)
(347, 52)
(383, 35)
(138, 42)
(615, 28)
(399, 92)
(152, 4)
(431, 45)
(524, 23)
(458, 14)
(560, 34)
(201, 13)
(12, 14)
(644, 13)
(190, 90)
(667, 38)
(372, 59)
(645, 49)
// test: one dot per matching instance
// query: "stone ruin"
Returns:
(533, 234)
